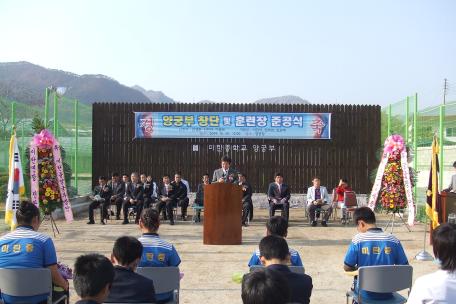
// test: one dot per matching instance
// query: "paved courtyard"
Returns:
(208, 270)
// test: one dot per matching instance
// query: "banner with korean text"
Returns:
(232, 125)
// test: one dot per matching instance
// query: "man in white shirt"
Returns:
(318, 197)
(439, 286)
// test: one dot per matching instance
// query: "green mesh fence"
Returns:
(398, 118)
(418, 128)
(73, 129)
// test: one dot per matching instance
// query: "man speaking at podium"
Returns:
(225, 174)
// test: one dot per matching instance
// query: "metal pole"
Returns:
(46, 107)
(56, 125)
(415, 146)
(406, 120)
(441, 125)
(13, 116)
(22, 142)
(76, 145)
(423, 255)
(389, 120)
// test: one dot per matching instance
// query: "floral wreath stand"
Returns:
(50, 218)
(392, 218)
(47, 178)
(393, 183)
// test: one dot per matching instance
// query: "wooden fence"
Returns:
(351, 153)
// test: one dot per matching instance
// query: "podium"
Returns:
(222, 214)
(448, 205)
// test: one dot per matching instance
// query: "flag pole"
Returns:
(423, 255)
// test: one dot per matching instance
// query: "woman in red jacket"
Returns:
(340, 190)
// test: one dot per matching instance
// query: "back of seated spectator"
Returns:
(372, 247)
(275, 256)
(92, 278)
(265, 286)
(439, 286)
(128, 286)
(156, 252)
(277, 225)
(27, 248)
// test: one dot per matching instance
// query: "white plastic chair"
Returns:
(383, 279)
(166, 279)
(27, 282)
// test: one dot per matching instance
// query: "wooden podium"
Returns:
(448, 205)
(222, 214)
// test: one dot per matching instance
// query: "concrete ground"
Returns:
(208, 270)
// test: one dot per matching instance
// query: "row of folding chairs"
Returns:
(26, 282)
(381, 279)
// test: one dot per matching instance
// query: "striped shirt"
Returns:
(375, 247)
(295, 259)
(26, 248)
(157, 252)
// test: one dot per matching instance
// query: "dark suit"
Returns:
(130, 287)
(135, 192)
(118, 193)
(300, 284)
(149, 195)
(179, 196)
(230, 177)
(278, 199)
(86, 302)
(105, 194)
(199, 200)
(165, 202)
(247, 203)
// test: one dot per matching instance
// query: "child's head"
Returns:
(127, 252)
(277, 225)
(274, 250)
(93, 276)
(149, 220)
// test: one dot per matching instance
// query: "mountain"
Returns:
(154, 96)
(287, 99)
(25, 82)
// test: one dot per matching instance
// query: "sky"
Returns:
(347, 52)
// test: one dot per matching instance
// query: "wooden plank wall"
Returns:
(351, 153)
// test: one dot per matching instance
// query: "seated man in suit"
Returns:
(101, 197)
(92, 279)
(278, 196)
(128, 286)
(156, 251)
(318, 197)
(247, 203)
(274, 255)
(154, 192)
(133, 197)
(126, 181)
(165, 201)
(148, 186)
(277, 225)
(199, 200)
(225, 174)
(187, 185)
(179, 195)
(118, 193)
